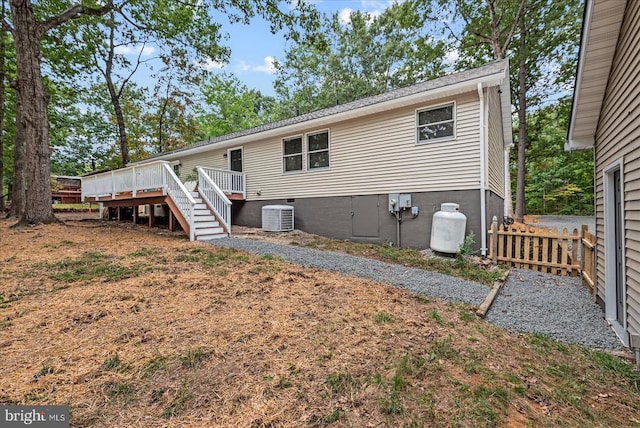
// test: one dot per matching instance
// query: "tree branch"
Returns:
(74, 12)
(514, 26)
(5, 25)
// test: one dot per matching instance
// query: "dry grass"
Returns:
(134, 328)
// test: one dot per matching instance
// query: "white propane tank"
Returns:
(447, 229)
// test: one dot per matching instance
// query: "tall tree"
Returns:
(32, 133)
(488, 29)
(558, 182)
(538, 36)
(363, 56)
(3, 88)
(228, 106)
(30, 22)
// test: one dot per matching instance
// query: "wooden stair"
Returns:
(206, 224)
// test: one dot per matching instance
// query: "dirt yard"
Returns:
(137, 327)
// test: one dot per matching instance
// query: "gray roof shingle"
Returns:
(429, 85)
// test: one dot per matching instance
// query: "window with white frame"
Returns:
(292, 154)
(318, 150)
(436, 123)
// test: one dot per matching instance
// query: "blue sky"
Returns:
(254, 47)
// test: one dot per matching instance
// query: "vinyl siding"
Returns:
(495, 143)
(368, 156)
(618, 136)
(213, 159)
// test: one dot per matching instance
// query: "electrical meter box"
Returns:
(393, 202)
(399, 201)
(405, 201)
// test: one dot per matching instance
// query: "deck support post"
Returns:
(172, 221)
(135, 214)
(152, 215)
(120, 213)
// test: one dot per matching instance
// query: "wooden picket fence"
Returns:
(539, 249)
(588, 259)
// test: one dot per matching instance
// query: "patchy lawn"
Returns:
(135, 328)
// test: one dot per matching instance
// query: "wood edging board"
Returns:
(493, 293)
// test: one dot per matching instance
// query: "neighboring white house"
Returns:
(444, 140)
(606, 117)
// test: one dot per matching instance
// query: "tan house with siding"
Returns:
(444, 140)
(606, 117)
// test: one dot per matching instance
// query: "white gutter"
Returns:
(574, 143)
(483, 201)
(505, 211)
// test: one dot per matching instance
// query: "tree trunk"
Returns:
(3, 87)
(522, 122)
(18, 189)
(31, 114)
(122, 130)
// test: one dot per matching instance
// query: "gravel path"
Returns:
(530, 301)
(434, 284)
(557, 306)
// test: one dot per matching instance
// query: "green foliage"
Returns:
(193, 357)
(383, 318)
(557, 182)
(466, 248)
(342, 62)
(230, 106)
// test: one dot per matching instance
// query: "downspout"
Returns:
(483, 201)
(507, 151)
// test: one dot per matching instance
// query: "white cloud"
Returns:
(210, 64)
(243, 66)
(451, 56)
(344, 16)
(141, 50)
(267, 67)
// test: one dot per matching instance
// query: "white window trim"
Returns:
(434, 107)
(302, 153)
(306, 139)
(229, 150)
(609, 249)
(305, 151)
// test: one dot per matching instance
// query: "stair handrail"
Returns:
(228, 181)
(215, 198)
(181, 197)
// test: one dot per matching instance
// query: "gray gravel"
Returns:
(559, 307)
(434, 284)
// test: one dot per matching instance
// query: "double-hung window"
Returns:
(436, 123)
(318, 150)
(306, 153)
(292, 154)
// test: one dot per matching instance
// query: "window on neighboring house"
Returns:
(292, 154)
(318, 150)
(436, 123)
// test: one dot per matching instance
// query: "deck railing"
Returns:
(131, 179)
(227, 181)
(158, 176)
(181, 197)
(215, 198)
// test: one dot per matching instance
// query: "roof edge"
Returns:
(490, 78)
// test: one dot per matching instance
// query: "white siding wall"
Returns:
(370, 155)
(618, 136)
(495, 144)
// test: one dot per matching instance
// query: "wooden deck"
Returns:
(116, 206)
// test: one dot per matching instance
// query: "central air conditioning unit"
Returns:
(277, 218)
